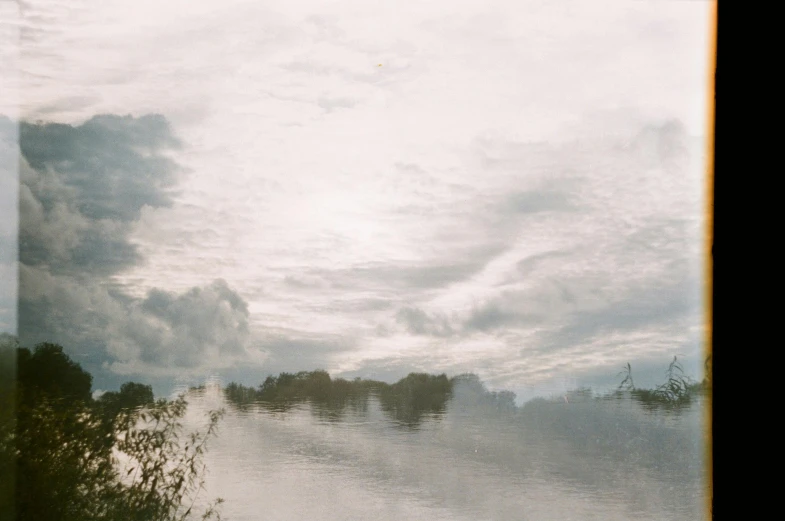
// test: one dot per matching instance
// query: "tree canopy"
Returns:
(62, 448)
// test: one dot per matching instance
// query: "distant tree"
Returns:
(414, 396)
(132, 395)
(406, 400)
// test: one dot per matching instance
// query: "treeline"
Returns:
(67, 456)
(407, 401)
(420, 395)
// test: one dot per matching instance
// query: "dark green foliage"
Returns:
(63, 465)
(71, 455)
(58, 444)
(329, 397)
(131, 396)
(164, 471)
(415, 396)
(8, 349)
(49, 373)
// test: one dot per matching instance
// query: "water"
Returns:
(546, 461)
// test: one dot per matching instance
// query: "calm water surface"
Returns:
(581, 460)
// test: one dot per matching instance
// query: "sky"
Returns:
(239, 188)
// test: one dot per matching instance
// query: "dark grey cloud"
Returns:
(81, 192)
(112, 165)
(9, 218)
(82, 187)
(73, 312)
(164, 331)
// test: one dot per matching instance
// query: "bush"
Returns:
(75, 461)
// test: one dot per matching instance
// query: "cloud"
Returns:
(82, 191)
(330, 104)
(417, 322)
(336, 195)
(82, 188)
(112, 165)
(539, 201)
(204, 326)
(438, 272)
(674, 302)
(600, 264)
(530, 263)
(293, 351)
(165, 333)
(9, 223)
(493, 316)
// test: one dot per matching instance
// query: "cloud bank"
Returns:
(82, 190)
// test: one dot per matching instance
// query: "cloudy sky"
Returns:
(239, 188)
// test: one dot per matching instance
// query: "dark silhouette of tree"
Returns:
(63, 449)
(419, 394)
(49, 373)
(131, 396)
(406, 401)
(8, 349)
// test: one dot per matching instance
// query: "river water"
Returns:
(547, 460)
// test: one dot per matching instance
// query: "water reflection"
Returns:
(303, 448)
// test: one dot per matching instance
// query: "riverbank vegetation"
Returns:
(67, 456)
(675, 393)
